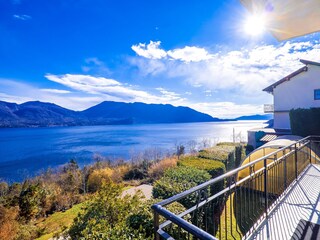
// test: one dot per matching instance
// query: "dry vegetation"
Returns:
(28, 209)
(157, 169)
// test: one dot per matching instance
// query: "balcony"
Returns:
(273, 197)
(268, 108)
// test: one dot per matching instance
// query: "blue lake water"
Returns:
(25, 152)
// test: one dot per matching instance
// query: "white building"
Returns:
(300, 89)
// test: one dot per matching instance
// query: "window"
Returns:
(317, 94)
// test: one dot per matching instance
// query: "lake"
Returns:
(25, 152)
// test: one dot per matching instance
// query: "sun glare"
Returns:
(255, 25)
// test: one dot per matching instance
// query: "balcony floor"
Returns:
(302, 202)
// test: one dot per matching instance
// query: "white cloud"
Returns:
(150, 50)
(59, 91)
(186, 54)
(18, 92)
(85, 83)
(14, 99)
(245, 71)
(190, 54)
(22, 17)
(149, 66)
(227, 109)
(110, 89)
(169, 95)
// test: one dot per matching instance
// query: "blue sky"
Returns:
(77, 53)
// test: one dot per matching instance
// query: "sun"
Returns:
(255, 25)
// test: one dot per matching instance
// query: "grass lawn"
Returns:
(58, 221)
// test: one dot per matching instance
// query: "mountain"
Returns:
(255, 117)
(40, 114)
(144, 113)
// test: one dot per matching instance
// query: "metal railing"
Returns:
(233, 204)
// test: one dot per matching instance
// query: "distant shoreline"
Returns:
(131, 124)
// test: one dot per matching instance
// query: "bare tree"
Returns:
(192, 146)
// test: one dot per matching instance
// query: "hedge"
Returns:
(231, 154)
(214, 168)
(305, 122)
(177, 180)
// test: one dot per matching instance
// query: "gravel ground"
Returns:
(146, 190)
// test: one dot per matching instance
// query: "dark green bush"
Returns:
(214, 168)
(305, 122)
(240, 154)
(143, 216)
(177, 180)
(249, 149)
(135, 173)
(32, 200)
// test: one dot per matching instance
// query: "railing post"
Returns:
(156, 225)
(296, 159)
(310, 150)
(265, 187)
(285, 170)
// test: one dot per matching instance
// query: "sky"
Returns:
(78, 53)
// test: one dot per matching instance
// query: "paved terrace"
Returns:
(289, 218)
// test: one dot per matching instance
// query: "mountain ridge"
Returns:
(45, 114)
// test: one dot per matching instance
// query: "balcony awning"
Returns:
(268, 137)
(287, 19)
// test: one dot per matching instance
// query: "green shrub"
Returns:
(177, 180)
(249, 149)
(110, 216)
(231, 144)
(240, 154)
(305, 122)
(214, 168)
(31, 200)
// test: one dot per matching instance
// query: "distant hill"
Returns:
(40, 114)
(255, 117)
(144, 113)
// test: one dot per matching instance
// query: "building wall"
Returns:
(298, 92)
(281, 120)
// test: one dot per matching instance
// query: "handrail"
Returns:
(184, 224)
(223, 176)
(229, 188)
(233, 186)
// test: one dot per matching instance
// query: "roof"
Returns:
(287, 19)
(307, 62)
(270, 88)
(268, 137)
(281, 141)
